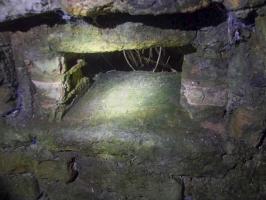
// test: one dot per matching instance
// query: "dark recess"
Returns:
(261, 140)
(26, 23)
(209, 16)
(250, 18)
(104, 62)
(4, 193)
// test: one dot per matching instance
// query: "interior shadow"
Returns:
(153, 59)
(212, 15)
(26, 23)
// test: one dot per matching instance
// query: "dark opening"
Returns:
(153, 59)
(26, 23)
(212, 15)
(250, 18)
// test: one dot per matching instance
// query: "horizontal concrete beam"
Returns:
(85, 38)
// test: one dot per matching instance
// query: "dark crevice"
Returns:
(261, 140)
(72, 170)
(4, 193)
(209, 16)
(183, 188)
(26, 23)
(250, 18)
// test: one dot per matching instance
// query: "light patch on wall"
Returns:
(49, 89)
(129, 96)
